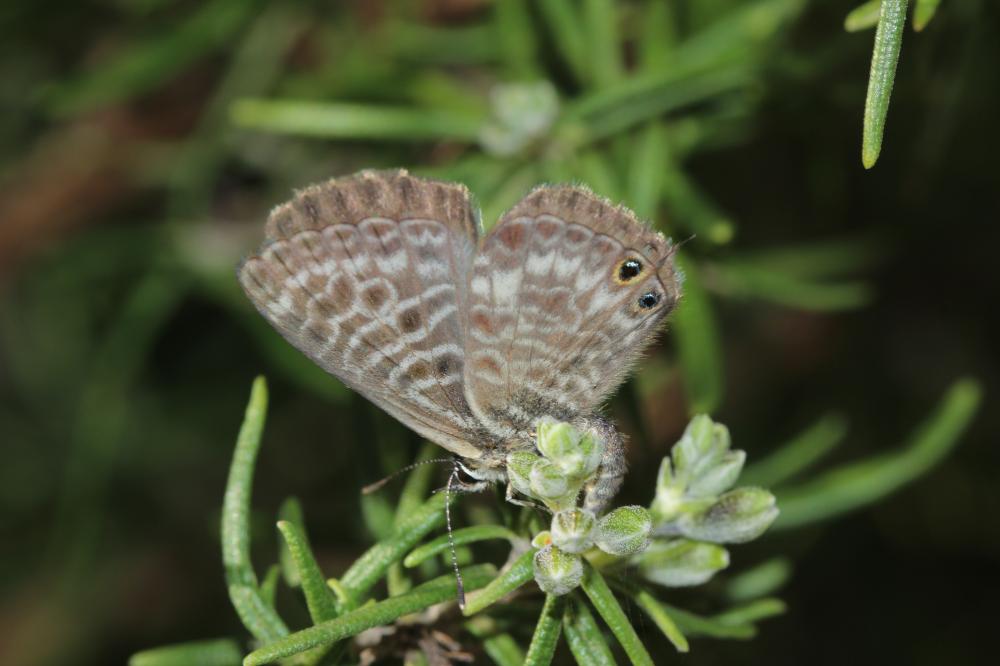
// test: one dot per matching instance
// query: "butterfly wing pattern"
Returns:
(380, 278)
(366, 275)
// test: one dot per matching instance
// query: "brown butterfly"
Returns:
(383, 280)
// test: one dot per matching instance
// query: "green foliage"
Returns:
(854, 485)
(627, 98)
(219, 652)
(889, 18)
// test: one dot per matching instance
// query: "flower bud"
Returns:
(624, 531)
(718, 478)
(572, 530)
(737, 516)
(519, 465)
(557, 572)
(557, 440)
(669, 499)
(701, 446)
(547, 481)
(681, 563)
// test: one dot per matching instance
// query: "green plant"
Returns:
(643, 101)
(580, 558)
(888, 17)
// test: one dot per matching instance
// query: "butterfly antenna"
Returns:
(674, 247)
(459, 585)
(372, 487)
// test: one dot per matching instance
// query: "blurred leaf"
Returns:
(515, 186)
(607, 606)
(503, 650)
(153, 59)
(568, 34)
(378, 514)
(692, 209)
(291, 511)
(499, 646)
(852, 486)
(435, 45)
(739, 34)
(658, 36)
(546, 637)
(649, 159)
(218, 652)
(585, 639)
(417, 484)
(824, 259)
(762, 579)
(593, 169)
(799, 454)
(655, 610)
(344, 120)
(888, 39)
(259, 618)
(101, 415)
(269, 586)
(633, 100)
(320, 599)
(370, 567)
(733, 624)
(698, 344)
(743, 280)
(255, 65)
(376, 614)
(460, 537)
(516, 36)
(600, 19)
(517, 574)
(863, 16)
(753, 612)
(923, 12)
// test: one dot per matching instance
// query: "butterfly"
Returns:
(386, 281)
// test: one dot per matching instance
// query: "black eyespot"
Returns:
(629, 269)
(649, 300)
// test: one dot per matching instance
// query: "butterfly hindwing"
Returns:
(368, 276)
(566, 292)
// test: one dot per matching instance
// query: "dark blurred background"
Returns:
(141, 150)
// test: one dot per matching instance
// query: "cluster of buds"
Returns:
(569, 460)
(695, 510)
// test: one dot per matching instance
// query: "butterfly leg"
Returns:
(520, 502)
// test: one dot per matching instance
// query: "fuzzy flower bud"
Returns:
(577, 454)
(681, 563)
(736, 517)
(572, 530)
(519, 466)
(547, 481)
(556, 571)
(624, 531)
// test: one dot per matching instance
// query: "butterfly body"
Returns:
(383, 280)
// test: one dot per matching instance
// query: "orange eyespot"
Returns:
(628, 270)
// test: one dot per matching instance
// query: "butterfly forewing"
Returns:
(566, 291)
(368, 276)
